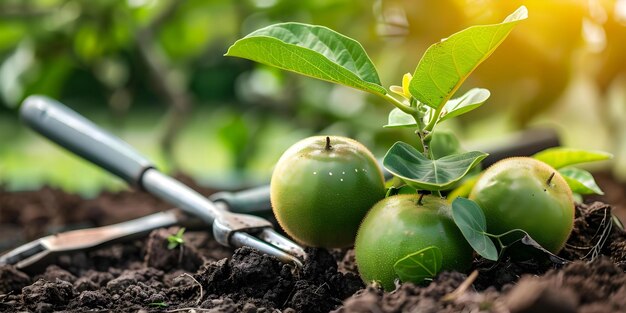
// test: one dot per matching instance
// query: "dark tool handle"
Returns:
(80, 136)
(77, 134)
(252, 200)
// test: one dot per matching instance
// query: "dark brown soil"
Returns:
(144, 275)
(593, 282)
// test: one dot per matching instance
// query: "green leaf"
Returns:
(470, 219)
(161, 304)
(580, 181)
(419, 172)
(399, 119)
(311, 50)
(419, 266)
(446, 64)
(471, 100)
(176, 239)
(559, 157)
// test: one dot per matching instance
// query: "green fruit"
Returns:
(398, 226)
(321, 189)
(524, 193)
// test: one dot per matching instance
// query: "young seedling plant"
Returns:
(177, 240)
(413, 236)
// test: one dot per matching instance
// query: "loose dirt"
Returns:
(144, 275)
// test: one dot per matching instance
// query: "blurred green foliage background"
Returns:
(153, 73)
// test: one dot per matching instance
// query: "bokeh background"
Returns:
(153, 73)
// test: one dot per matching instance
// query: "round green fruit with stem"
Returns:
(527, 194)
(401, 225)
(321, 189)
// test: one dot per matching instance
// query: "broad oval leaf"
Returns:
(470, 219)
(559, 157)
(399, 119)
(311, 50)
(419, 172)
(446, 64)
(580, 181)
(471, 100)
(419, 266)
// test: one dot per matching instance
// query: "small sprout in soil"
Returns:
(177, 240)
(161, 304)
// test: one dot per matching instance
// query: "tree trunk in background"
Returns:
(166, 83)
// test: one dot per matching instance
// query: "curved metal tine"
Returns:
(271, 236)
(239, 239)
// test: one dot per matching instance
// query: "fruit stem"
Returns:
(550, 178)
(419, 201)
(328, 146)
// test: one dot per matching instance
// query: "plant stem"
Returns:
(398, 104)
(433, 119)
(418, 116)
(181, 253)
(506, 233)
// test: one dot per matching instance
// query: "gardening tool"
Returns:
(40, 251)
(77, 134)
(37, 253)
(79, 137)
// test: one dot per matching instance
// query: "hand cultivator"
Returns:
(72, 131)
(228, 214)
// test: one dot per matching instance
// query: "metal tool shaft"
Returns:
(180, 195)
